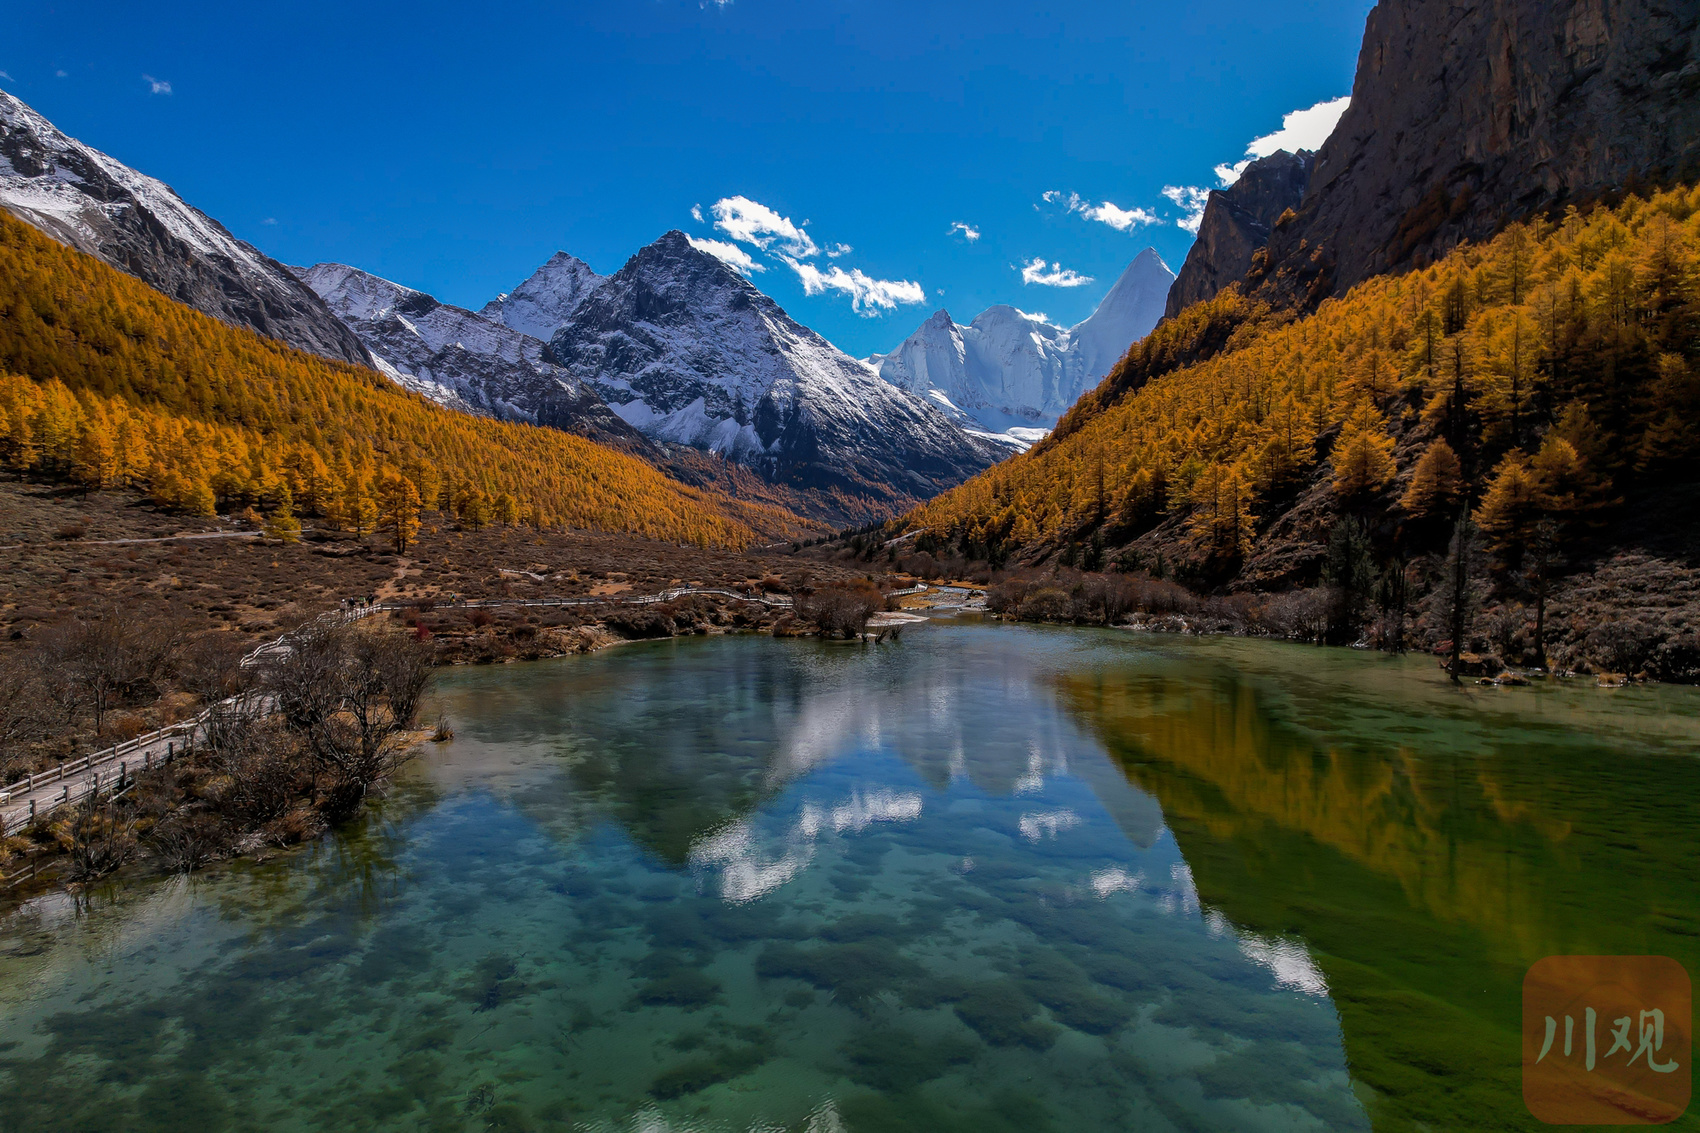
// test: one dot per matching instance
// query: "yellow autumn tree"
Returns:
(1436, 482)
(1363, 455)
(398, 509)
(1221, 522)
(282, 524)
(1510, 507)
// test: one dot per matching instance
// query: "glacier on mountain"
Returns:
(1009, 375)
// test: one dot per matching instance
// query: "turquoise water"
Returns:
(990, 878)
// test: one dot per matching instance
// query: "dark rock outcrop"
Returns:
(83, 198)
(1237, 222)
(1466, 115)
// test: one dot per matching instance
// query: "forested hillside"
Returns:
(108, 383)
(1543, 383)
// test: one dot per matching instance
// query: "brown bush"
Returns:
(842, 609)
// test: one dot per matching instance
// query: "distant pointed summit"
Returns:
(544, 302)
(1012, 374)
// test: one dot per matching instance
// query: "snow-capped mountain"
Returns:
(542, 304)
(460, 359)
(1010, 375)
(688, 351)
(83, 198)
(1124, 316)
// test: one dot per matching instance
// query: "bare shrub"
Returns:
(98, 838)
(347, 694)
(110, 655)
(185, 840)
(1303, 615)
(1621, 645)
(843, 609)
(1046, 604)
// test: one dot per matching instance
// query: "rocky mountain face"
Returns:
(542, 304)
(1010, 375)
(1466, 115)
(688, 352)
(1237, 222)
(87, 200)
(463, 360)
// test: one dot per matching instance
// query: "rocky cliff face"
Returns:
(687, 351)
(1237, 222)
(463, 360)
(83, 198)
(1466, 114)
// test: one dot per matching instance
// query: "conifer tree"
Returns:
(95, 465)
(1436, 481)
(282, 524)
(1363, 455)
(355, 511)
(398, 509)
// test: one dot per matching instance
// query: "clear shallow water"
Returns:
(991, 878)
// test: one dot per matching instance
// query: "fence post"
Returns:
(32, 810)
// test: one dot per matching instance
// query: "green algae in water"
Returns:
(991, 879)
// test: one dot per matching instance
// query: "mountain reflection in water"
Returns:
(994, 878)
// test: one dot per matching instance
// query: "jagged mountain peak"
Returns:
(92, 202)
(542, 304)
(690, 352)
(460, 359)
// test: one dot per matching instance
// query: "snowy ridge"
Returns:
(542, 304)
(460, 359)
(1010, 375)
(98, 205)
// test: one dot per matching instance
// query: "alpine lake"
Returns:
(988, 878)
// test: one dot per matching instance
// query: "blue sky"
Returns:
(454, 150)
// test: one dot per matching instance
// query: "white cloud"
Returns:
(1122, 220)
(1191, 200)
(868, 296)
(833, 251)
(1300, 129)
(156, 86)
(730, 254)
(270, 221)
(59, 74)
(696, 213)
(1057, 276)
(753, 223)
(967, 231)
(10, 79)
